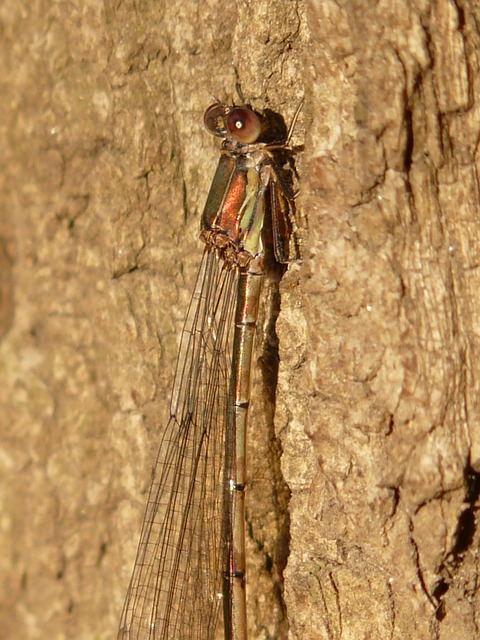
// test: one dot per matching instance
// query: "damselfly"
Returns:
(191, 556)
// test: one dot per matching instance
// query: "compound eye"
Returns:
(243, 125)
(214, 120)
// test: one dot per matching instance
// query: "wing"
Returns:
(174, 592)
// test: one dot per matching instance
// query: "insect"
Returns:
(190, 563)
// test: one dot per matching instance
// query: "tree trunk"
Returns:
(364, 458)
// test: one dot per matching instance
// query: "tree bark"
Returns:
(365, 456)
(384, 508)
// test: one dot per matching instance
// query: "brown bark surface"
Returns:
(385, 489)
(365, 458)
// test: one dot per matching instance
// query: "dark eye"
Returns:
(214, 120)
(243, 125)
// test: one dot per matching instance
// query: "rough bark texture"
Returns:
(385, 487)
(374, 424)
